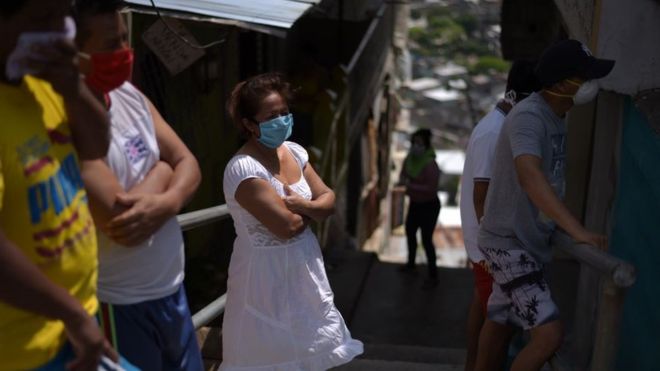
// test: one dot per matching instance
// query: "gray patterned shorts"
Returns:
(521, 296)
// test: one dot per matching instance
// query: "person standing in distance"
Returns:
(420, 175)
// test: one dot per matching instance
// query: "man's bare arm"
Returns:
(479, 193)
(148, 212)
(89, 124)
(541, 193)
(187, 175)
(103, 187)
(24, 286)
(88, 119)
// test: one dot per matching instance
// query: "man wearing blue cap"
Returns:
(524, 205)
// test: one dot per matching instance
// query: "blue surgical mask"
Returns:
(274, 132)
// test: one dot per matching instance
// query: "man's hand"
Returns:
(145, 215)
(58, 64)
(594, 239)
(88, 344)
(294, 202)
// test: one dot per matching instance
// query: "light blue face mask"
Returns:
(274, 132)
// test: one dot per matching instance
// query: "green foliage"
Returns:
(446, 29)
(417, 34)
(442, 31)
(473, 47)
(438, 12)
(489, 63)
(453, 35)
(469, 23)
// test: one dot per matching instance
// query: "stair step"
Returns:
(416, 354)
(381, 365)
(347, 272)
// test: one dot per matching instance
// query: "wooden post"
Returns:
(599, 200)
(607, 326)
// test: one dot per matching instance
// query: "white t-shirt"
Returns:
(154, 269)
(478, 165)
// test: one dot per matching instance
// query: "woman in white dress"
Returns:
(280, 314)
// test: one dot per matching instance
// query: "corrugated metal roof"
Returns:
(277, 13)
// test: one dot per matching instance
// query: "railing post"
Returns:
(615, 276)
(607, 326)
(586, 308)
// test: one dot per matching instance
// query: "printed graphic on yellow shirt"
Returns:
(44, 213)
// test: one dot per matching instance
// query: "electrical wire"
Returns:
(181, 37)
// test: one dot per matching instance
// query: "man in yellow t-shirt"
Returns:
(48, 248)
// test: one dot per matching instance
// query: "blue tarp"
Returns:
(636, 239)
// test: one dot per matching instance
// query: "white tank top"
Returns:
(154, 269)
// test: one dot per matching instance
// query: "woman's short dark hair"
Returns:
(423, 134)
(247, 96)
(9, 7)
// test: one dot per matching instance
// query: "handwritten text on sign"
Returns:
(173, 52)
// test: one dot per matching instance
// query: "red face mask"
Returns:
(110, 70)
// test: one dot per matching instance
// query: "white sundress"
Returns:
(280, 314)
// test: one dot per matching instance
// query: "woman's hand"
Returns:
(295, 202)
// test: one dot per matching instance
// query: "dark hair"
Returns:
(9, 7)
(247, 96)
(424, 135)
(522, 79)
(87, 8)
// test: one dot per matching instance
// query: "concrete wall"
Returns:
(627, 31)
(630, 34)
(578, 18)
(528, 27)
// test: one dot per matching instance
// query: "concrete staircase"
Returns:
(403, 327)
(376, 357)
(406, 358)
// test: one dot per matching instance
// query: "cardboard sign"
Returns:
(173, 52)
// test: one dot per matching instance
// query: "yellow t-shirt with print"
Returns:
(44, 212)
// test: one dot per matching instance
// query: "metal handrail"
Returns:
(621, 273)
(333, 128)
(196, 219)
(210, 312)
(202, 217)
(365, 39)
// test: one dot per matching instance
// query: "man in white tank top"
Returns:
(135, 193)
